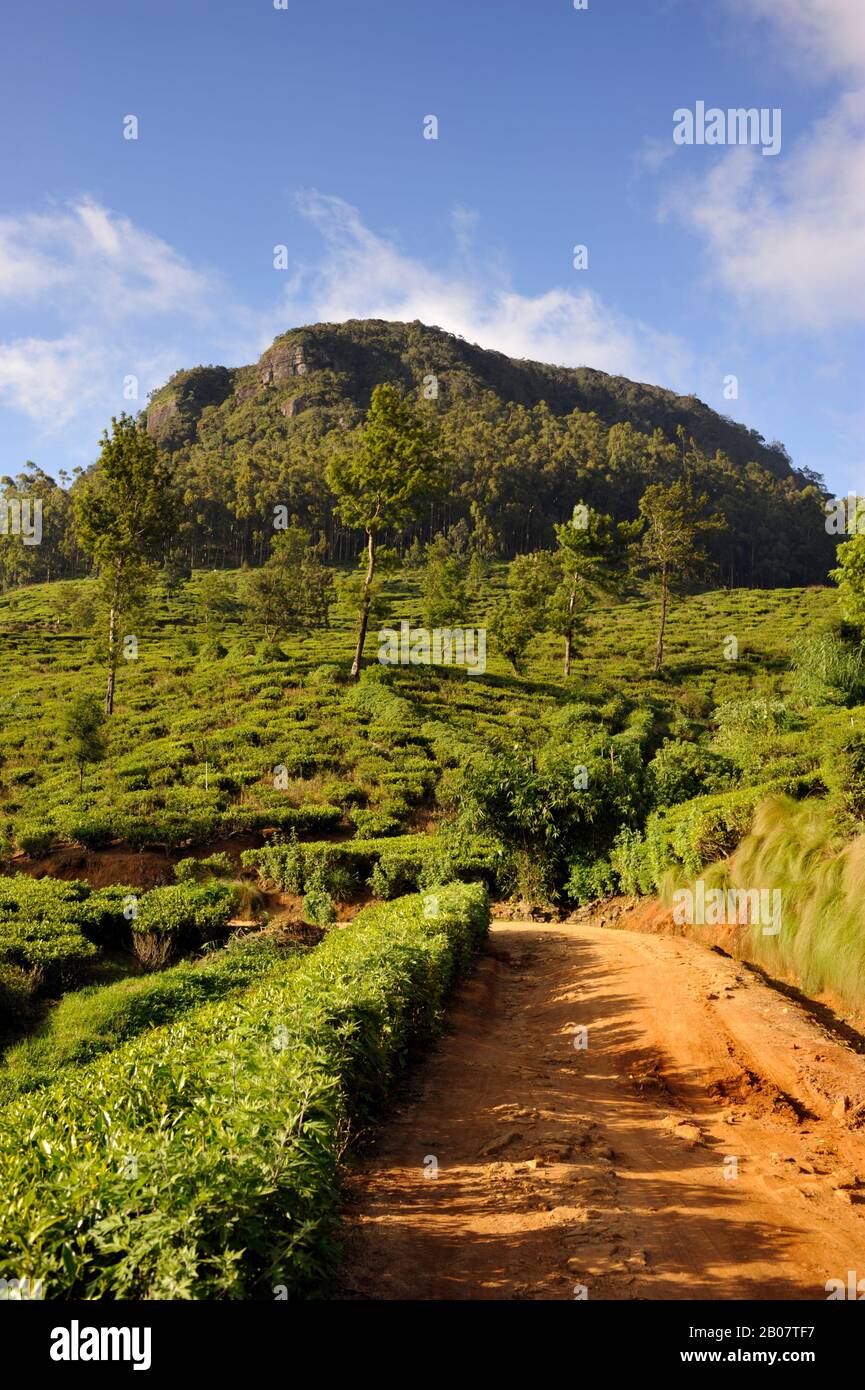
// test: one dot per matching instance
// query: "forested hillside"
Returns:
(521, 442)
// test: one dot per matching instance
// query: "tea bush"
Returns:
(202, 1159)
(97, 1018)
(42, 932)
(171, 919)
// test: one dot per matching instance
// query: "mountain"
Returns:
(525, 440)
(326, 364)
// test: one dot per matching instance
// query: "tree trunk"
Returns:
(569, 632)
(112, 661)
(659, 650)
(364, 607)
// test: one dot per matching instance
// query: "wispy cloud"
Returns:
(84, 257)
(363, 275)
(821, 37)
(787, 237)
(106, 299)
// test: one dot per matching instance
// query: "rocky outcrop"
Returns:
(287, 360)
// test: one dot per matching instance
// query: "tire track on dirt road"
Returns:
(701, 1145)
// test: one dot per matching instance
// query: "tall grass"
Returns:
(797, 847)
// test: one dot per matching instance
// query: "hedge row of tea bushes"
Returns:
(48, 935)
(180, 916)
(94, 1020)
(168, 821)
(202, 1159)
(389, 866)
(51, 931)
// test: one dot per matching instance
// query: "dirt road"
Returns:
(703, 1144)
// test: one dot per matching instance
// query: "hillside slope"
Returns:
(523, 442)
(338, 364)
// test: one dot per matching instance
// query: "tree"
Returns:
(671, 541)
(522, 613)
(216, 599)
(292, 592)
(124, 511)
(444, 583)
(384, 481)
(591, 559)
(850, 577)
(84, 726)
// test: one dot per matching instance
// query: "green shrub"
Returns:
(96, 1019)
(590, 879)
(681, 770)
(340, 793)
(683, 839)
(35, 839)
(268, 652)
(300, 818)
(178, 916)
(325, 677)
(830, 670)
(198, 870)
(17, 990)
(318, 905)
(41, 930)
(849, 775)
(202, 1160)
(371, 823)
(92, 829)
(106, 913)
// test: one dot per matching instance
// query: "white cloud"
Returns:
(84, 255)
(825, 34)
(653, 154)
(791, 242)
(787, 237)
(365, 276)
(105, 300)
(51, 380)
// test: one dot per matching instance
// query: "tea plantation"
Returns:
(181, 1076)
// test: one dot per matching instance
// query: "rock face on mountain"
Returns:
(339, 364)
(174, 411)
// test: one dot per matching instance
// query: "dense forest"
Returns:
(520, 443)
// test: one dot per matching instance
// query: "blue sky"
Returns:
(304, 127)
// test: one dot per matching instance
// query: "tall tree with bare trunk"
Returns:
(124, 512)
(591, 557)
(675, 523)
(384, 481)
